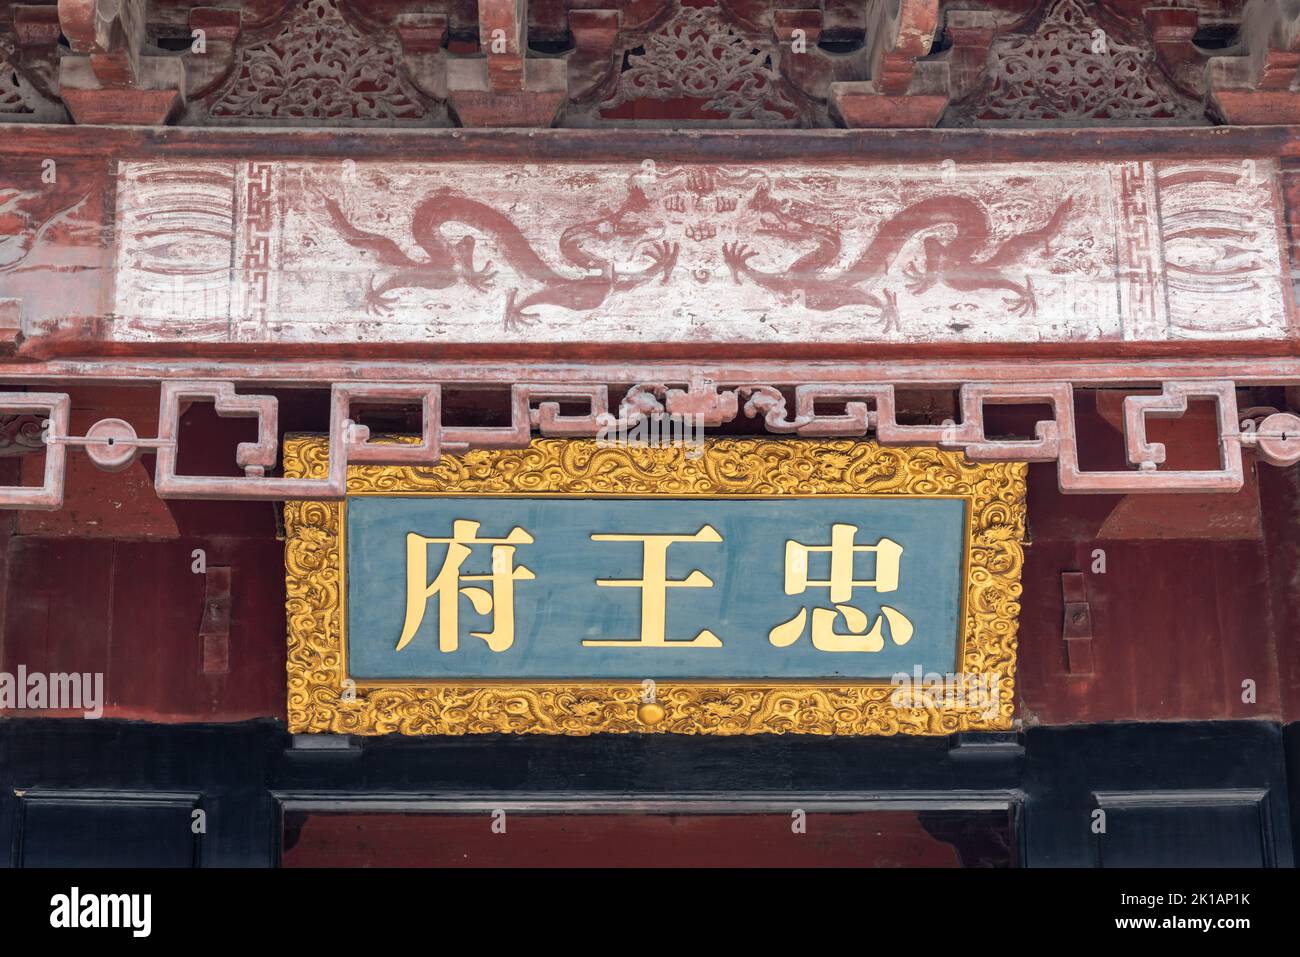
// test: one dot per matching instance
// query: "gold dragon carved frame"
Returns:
(321, 699)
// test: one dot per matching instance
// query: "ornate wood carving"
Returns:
(112, 78)
(1257, 82)
(720, 63)
(700, 63)
(731, 466)
(316, 67)
(1073, 68)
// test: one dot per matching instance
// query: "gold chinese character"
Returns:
(841, 584)
(654, 584)
(500, 602)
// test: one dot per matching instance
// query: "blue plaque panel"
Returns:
(579, 577)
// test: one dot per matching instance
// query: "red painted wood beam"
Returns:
(666, 146)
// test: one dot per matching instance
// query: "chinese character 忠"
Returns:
(841, 584)
(499, 602)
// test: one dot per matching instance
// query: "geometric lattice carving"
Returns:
(1071, 70)
(865, 410)
(319, 68)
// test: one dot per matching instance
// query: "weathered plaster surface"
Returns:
(349, 251)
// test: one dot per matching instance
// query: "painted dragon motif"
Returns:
(451, 262)
(27, 216)
(960, 249)
(954, 263)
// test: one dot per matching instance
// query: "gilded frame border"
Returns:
(317, 702)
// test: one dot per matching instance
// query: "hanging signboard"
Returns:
(753, 586)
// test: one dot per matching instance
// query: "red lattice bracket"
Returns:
(871, 407)
(255, 458)
(1149, 456)
(348, 440)
(864, 409)
(359, 448)
(56, 408)
(546, 418)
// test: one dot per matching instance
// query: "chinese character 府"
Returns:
(500, 601)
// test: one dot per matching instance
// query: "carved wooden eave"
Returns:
(871, 64)
(1031, 199)
(723, 273)
(1086, 241)
(1258, 83)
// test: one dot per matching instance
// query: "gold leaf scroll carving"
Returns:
(319, 700)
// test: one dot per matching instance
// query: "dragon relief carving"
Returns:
(716, 225)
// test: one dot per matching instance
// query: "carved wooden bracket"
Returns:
(1257, 85)
(109, 78)
(505, 87)
(904, 90)
(208, 69)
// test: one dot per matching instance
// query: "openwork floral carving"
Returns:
(22, 100)
(1072, 70)
(319, 68)
(698, 55)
